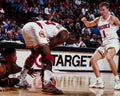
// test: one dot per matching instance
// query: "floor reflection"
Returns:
(116, 93)
(73, 84)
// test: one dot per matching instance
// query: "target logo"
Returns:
(38, 61)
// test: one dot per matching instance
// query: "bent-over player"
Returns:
(40, 37)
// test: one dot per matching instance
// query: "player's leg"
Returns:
(30, 60)
(30, 36)
(47, 60)
(112, 50)
(27, 66)
(110, 55)
(99, 82)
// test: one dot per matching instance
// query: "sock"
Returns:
(24, 72)
(47, 76)
(99, 79)
(116, 77)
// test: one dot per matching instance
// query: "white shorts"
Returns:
(33, 35)
(113, 43)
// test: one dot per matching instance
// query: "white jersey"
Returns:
(109, 35)
(107, 30)
(51, 28)
(39, 32)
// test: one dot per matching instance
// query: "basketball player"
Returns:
(40, 37)
(8, 66)
(108, 25)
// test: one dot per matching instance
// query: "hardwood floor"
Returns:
(72, 83)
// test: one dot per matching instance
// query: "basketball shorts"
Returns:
(33, 35)
(113, 43)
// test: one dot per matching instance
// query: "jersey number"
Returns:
(104, 35)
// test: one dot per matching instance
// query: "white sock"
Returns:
(117, 77)
(99, 79)
(24, 72)
(47, 76)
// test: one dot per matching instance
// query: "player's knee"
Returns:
(109, 57)
(92, 60)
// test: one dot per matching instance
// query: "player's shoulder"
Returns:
(97, 18)
(2, 64)
(112, 17)
(3, 70)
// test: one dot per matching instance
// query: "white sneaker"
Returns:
(97, 85)
(117, 85)
(97, 92)
(23, 82)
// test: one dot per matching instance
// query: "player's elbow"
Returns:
(88, 25)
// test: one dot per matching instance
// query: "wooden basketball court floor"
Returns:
(72, 83)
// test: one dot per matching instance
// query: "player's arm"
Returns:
(90, 23)
(116, 21)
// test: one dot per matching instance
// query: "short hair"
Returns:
(8, 51)
(106, 4)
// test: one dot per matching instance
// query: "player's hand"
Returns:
(32, 73)
(83, 19)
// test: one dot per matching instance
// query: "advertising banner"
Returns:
(71, 61)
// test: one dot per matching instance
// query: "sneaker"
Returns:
(23, 82)
(50, 88)
(97, 92)
(97, 85)
(117, 85)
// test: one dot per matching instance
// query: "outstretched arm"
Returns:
(90, 23)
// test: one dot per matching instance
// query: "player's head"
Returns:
(104, 8)
(10, 55)
(73, 38)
